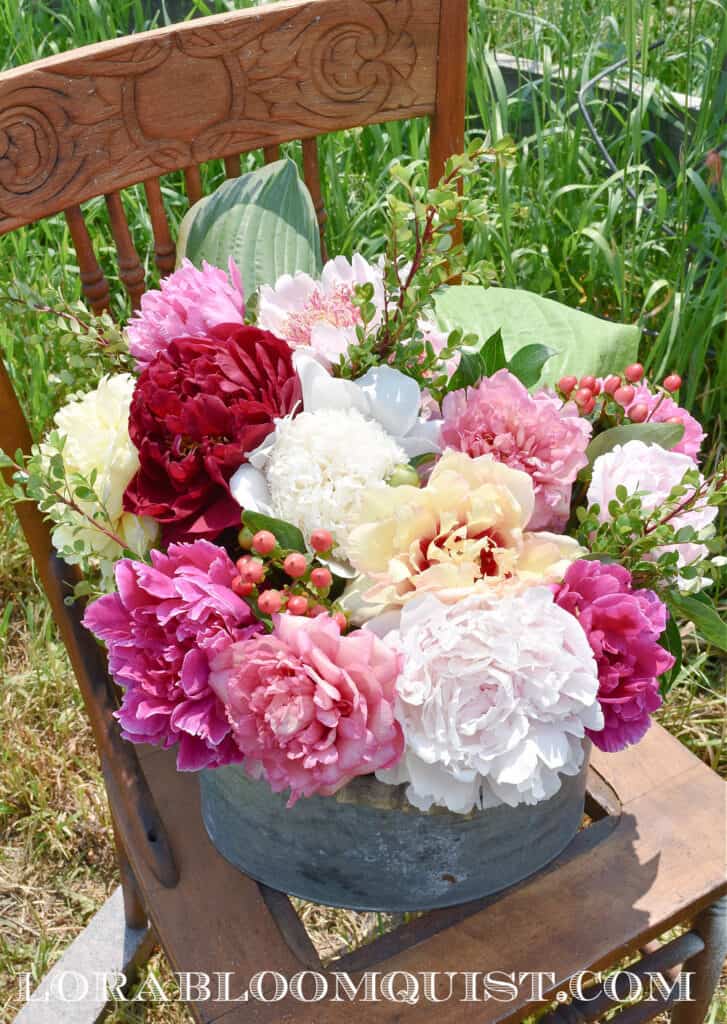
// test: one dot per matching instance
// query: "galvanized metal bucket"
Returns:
(367, 848)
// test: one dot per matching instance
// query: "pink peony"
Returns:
(188, 304)
(533, 433)
(623, 627)
(663, 409)
(162, 626)
(309, 708)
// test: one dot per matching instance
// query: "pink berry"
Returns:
(341, 620)
(612, 385)
(297, 604)
(624, 396)
(321, 540)
(591, 383)
(638, 412)
(583, 397)
(254, 571)
(321, 578)
(242, 563)
(264, 542)
(566, 385)
(295, 564)
(270, 602)
(318, 609)
(634, 373)
(673, 382)
(243, 588)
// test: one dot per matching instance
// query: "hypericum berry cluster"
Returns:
(618, 389)
(302, 588)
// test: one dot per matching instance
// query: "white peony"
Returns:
(654, 472)
(494, 699)
(95, 427)
(318, 468)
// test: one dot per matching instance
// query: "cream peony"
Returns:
(494, 699)
(95, 427)
(464, 531)
(654, 472)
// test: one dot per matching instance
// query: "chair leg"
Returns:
(134, 910)
(711, 926)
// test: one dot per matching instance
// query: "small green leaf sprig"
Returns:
(69, 500)
(640, 539)
(423, 253)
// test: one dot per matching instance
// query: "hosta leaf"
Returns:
(265, 220)
(581, 344)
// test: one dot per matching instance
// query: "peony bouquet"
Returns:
(370, 516)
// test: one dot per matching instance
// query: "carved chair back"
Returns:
(99, 119)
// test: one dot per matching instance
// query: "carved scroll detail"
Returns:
(84, 124)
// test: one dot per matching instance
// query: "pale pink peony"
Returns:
(161, 629)
(187, 304)
(309, 708)
(537, 434)
(663, 409)
(320, 314)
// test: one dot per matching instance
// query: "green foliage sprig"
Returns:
(424, 252)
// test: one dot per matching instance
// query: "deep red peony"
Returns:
(198, 407)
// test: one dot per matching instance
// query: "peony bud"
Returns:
(403, 475)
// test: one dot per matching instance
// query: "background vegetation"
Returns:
(642, 240)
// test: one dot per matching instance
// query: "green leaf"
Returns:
(672, 641)
(664, 434)
(287, 535)
(581, 344)
(483, 361)
(265, 220)
(709, 625)
(528, 362)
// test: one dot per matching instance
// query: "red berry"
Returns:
(634, 373)
(612, 385)
(583, 397)
(243, 588)
(638, 412)
(673, 382)
(295, 564)
(264, 542)
(270, 602)
(318, 609)
(624, 396)
(297, 604)
(341, 620)
(591, 383)
(321, 578)
(321, 540)
(566, 385)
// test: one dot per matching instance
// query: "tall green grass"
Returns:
(559, 221)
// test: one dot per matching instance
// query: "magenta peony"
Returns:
(197, 409)
(664, 409)
(537, 434)
(310, 709)
(623, 627)
(187, 304)
(162, 626)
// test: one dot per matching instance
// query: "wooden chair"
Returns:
(97, 120)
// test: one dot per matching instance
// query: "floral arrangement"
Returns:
(331, 531)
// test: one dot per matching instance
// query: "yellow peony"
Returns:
(463, 532)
